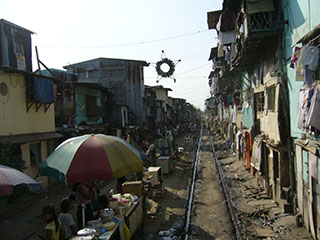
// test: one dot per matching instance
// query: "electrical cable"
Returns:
(191, 77)
(132, 44)
(194, 69)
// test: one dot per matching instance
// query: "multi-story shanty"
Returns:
(301, 68)
(248, 63)
(80, 107)
(27, 121)
(124, 78)
(268, 51)
(150, 108)
(164, 105)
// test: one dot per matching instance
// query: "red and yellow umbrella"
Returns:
(91, 158)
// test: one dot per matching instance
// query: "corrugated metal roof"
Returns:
(161, 87)
(14, 25)
(143, 63)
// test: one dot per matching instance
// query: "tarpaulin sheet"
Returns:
(43, 90)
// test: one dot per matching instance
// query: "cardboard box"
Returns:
(156, 174)
(133, 187)
(166, 164)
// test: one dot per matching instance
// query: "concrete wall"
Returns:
(14, 118)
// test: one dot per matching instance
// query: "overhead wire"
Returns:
(132, 44)
(191, 77)
(193, 69)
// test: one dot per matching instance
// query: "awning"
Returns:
(213, 18)
(23, 138)
(310, 145)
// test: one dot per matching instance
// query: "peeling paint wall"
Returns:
(81, 105)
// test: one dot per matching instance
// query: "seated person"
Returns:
(120, 181)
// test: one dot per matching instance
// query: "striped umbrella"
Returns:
(91, 158)
(11, 177)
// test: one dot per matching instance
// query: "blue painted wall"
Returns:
(303, 16)
(81, 111)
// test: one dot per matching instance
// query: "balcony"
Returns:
(258, 34)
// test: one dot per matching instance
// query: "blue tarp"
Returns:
(43, 90)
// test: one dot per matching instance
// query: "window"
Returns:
(91, 106)
(259, 101)
(35, 153)
(271, 91)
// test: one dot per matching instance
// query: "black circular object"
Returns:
(162, 73)
(3, 88)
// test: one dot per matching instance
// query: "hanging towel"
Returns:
(314, 111)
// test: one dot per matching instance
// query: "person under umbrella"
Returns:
(84, 210)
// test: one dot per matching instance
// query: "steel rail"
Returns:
(192, 187)
(226, 193)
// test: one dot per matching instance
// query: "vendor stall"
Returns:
(123, 219)
(134, 217)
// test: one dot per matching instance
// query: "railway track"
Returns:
(196, 171)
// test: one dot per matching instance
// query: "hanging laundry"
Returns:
(313, 162)
(227, 21)
(314, 111)
(308, 77)
(256, 152)
(309, 57)
(299, 71)
(296, 54)
(302, 110)
(225, 37)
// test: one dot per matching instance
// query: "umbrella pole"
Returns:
(83, 215)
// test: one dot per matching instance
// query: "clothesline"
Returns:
(316, 84)
(314, 39)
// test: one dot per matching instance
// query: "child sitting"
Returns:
(54, 229)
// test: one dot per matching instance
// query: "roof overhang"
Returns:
(24, 138)
(213, 18)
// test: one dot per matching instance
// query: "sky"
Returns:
(72, 31)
